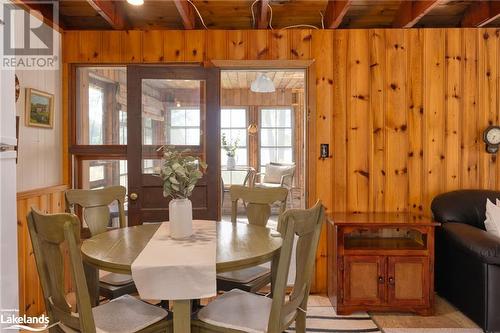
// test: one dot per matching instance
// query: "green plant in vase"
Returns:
(230, 148)
(180, 172)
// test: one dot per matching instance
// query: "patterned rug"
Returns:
(324, 319)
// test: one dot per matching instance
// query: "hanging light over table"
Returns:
(262, 84)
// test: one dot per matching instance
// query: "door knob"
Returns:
(133, 196)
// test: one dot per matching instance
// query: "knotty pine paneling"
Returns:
(47, 200)
(402, 110)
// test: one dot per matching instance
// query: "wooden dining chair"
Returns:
(258, 203)
(240, 311)
(97, 216)
(123, 314)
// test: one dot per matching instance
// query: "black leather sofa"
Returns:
(467, 269)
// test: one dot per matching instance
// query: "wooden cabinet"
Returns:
(381, 262)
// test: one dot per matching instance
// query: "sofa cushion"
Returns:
(463, 206)
(275, 172)
(492, 222)
(481, 244)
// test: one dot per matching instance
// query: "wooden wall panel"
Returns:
(487, 102)
(470, 140)
(173, 46)
(434, 114)
(357, 121)
(415, 110)
(404, 123)
(377, 121)
(396, 122)
(322, 45)
(453, 108)
(339, 119)
(48, 200)
(153, 50)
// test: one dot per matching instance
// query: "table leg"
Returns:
(92, 277)
(182, 316)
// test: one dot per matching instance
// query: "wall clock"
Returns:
(491, 137)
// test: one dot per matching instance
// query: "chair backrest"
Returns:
(276, 171)
(48, 233)
(306, 225)
(258, 202)
(95, 205)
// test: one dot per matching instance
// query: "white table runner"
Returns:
(169, 269)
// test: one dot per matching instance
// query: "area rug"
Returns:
(446, 319)
(324, 319)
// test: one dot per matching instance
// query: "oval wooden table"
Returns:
(239, 246)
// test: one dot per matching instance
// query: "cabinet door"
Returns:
(408, 280)
(364, 280)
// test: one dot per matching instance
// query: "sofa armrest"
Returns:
(482, 244)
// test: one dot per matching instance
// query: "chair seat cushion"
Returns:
(124, 314)
(238, 310)
(115, 279)
(245, 275)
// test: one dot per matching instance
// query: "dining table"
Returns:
(239, 245)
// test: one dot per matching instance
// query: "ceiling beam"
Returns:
(111, 11)
(44, 12)
(187, 14)
(480, 13)
(262, 18)
(410, 12)
(335, 12)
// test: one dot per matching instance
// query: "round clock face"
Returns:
(492, 135)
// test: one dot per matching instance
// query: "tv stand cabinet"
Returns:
(381, 262)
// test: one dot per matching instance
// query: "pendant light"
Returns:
(136, 2)
(262, 84)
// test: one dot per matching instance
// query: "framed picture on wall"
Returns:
(39, 108)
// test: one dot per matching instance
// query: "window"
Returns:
(123, 127)
(147, 131)
(234, 127)
(101, 119)
(101, 106)
(276, 136)
(184, 127)
(96, 112)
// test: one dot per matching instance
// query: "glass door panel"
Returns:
(170, 107)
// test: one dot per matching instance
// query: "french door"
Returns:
(177, 107)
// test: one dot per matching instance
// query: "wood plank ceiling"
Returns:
(277, 14)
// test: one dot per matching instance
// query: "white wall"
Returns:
(40, 149)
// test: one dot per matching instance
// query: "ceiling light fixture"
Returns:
(262, 84)
(136, 2)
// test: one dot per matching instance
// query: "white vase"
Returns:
(181, 218)
(231, 163)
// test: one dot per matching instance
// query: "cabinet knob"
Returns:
(133, 196)
(380, 279)
(391, 280)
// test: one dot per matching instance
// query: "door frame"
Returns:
(211, 152)
(310, 96)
